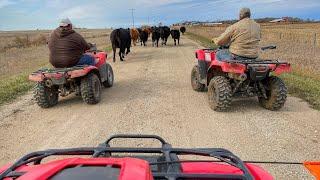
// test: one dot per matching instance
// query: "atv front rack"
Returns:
(170, 164)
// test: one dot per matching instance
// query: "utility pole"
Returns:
(148, 20)
(132, 16)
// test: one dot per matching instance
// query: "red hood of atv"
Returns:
(131, 168)
(203, 167)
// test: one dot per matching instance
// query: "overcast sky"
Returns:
(45, 14)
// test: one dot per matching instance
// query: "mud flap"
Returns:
(103, 72)
(203, 67)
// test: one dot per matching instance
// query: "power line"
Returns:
(132, 16)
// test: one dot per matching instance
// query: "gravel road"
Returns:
(152, 95)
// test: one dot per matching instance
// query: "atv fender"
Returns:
(37, 77)
(83, 72)
(229, 67)
(282, 68)
(101, 56)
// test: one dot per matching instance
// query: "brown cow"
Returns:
(134, 33)
(148, 29)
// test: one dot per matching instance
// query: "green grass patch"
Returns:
(12, 87)
(202, 40)
(298, 82)
(304, 87)
(108, 48)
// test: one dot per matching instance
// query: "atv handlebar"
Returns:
(93, 48)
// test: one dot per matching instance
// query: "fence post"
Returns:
(315, 40)
(27, 40)
(280, 36)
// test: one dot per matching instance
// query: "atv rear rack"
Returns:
(247, 61)
(169, 155)
(59, 70)
(256, 61)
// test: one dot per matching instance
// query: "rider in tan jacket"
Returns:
(242, 38)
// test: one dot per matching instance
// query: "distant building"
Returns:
(284, 19)
(211, 23)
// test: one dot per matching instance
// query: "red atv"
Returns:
(239, 78)
(113, 163)
(84, 80)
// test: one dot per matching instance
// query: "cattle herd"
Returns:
(122, 38)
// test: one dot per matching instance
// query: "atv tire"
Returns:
(91, 89)
(195, 83)
(46, 97)
(276, 92)
(110, 77)
(219, 94)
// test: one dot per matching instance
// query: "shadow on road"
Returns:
(122, 92)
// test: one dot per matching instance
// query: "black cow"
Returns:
(120, 38)
(175, 34)
(155, 36)
(140, 30)
(182, 29)
(164, 34)
(143, 36)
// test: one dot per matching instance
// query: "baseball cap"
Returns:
(245, 11)
(64, 22)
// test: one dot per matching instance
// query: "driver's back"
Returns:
(66, 47)
(243, 38)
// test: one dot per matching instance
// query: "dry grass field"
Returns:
(22, 52)
(298, 44)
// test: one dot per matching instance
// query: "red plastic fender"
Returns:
(102, 57)
(282, 68)
(217, 168)
(229, 67)
(200, 54)
(36, 77)
(81, 72)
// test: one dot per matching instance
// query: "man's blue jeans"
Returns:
(87, 60)
(224, 54)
